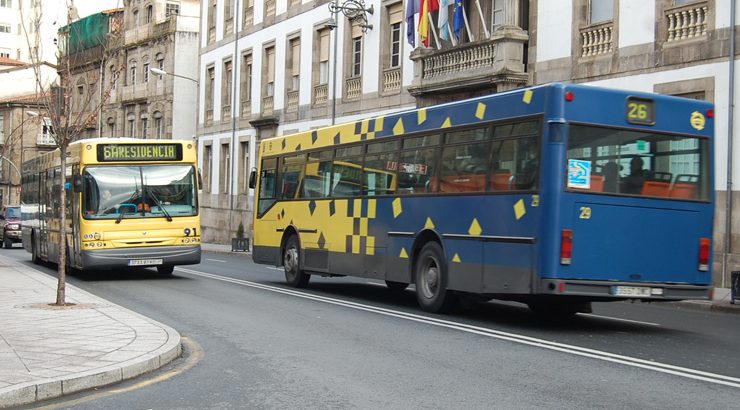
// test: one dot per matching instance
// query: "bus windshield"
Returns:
(626, 162)
(132, 191)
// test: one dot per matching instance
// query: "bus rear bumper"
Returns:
(141, 257)
(608, 290)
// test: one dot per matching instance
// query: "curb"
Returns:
(709, 307)
(44, 389)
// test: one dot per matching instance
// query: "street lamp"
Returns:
(162, 72)
(353, 10)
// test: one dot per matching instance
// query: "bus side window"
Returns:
(291, 174)
(268, 175)
(417, 171)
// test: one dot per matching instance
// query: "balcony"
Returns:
(597, 39)
(292, 99)
(134, 92)
(45, 140)
(354, 88)
(687, 21)
(268, 105)
(391, 80)
(489, 65)
(320, 94)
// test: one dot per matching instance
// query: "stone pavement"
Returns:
(46, 351)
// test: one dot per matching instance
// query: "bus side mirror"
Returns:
(77, 183)
(253, 178)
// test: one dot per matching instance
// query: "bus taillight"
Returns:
(566, 246)
(704, 254)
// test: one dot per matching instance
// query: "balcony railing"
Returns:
(597, 39)
(45, 140)
(268, 104)
(248, 17)
(246, 107)
(391, 79)
(686, 22)
(226, 112)
(292, 105)
(134, 92)
(209, 116)
(459, 60)
(320, 94)
(354, 88)
(269, 8)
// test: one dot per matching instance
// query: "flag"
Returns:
(457, 18)
(412, 7)
(427, 6)
(442, 22)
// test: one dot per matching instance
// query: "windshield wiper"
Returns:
(160, 205)
(122, 211)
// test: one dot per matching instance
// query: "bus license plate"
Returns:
(144, 262)
(631, 291)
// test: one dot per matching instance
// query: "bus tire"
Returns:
(165, 269)
(431, 280)
(34, 252)
(396, 286)
(294, 276)
(7, 243)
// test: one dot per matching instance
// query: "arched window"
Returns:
(131, 120)
(111, 126)
(160, 63)
(132, 71)
(145, 69)
(144, 125)
(149, 13)
(158, 125)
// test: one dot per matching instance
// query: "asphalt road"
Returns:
(350, 343)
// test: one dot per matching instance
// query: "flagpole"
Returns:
(482, 20)
(467, 25)
(452, 35)
(434, 32)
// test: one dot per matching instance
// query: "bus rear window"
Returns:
(615, 161)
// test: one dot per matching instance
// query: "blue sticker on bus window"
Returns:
(579, 174)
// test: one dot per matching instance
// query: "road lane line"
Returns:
(619, 319)
(376, 284)
(215, 260)
(497, 334)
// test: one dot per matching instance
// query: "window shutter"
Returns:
(395, 13)
(324, 46)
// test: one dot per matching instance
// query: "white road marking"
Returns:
(496, 334)
(215, 260)
(619, 319)
(376, 284)
(274, 268)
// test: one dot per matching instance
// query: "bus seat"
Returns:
(685, 186)
(661, 176)
(597, 183)
(501, 180)
(463, 183)
(655, 188)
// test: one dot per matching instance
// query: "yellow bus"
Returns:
(130, 203)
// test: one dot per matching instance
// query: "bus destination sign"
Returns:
(139, 152)
(640, 111)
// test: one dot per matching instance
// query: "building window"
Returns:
(111, 127)
(395, 60)
(207, 161)
(132, 70)
(4, 28)
(136, 19)
(146, 72)
(171, 9)
(294, 62)
(224, 169)
(226, 82)
(246, 84)
(243, 167)
(497, 14)
(158, 125)
(601, 11)
(2, 129)
(210, 83)
(324, 56)
(160, 63)
(248, 13)
(80, 97)
(228, 17)
(113, 77)
(131, 119)
(4, 52)
(212, 22)
(6, 3)
(270, 71)
(149, 13)
(356, 56)
(144, 126)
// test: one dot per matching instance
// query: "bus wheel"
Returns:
(165, 269)
(7, 243)
(294, 276)
(34, 253)
(396, 286)
(431, 280)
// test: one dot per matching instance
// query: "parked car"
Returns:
(10, 222)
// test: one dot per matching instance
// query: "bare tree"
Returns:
(74, 101)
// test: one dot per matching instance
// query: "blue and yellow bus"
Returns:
(554, 196)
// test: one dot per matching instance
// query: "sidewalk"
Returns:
(46, 351)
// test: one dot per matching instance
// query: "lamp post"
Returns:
(157, 71)
(352, 9)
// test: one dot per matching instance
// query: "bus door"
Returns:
(73, 217)
(266, 225)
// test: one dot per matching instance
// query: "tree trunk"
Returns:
(62, 267)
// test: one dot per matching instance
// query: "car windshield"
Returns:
(149, 191)
(13, 213)
(616, 161)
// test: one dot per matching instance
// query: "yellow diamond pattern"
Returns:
(371, 208)
(527, 97)
(422, 115)
(397, 208)
(403, 254)
(519, 209)
(379, 124)
(398, 128)
(429, 224)
(447, 123)
(480, 112)
(475, 229)
(456, 258)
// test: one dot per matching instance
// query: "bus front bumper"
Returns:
(141, 257)
(608, 290)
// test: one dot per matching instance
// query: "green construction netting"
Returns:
(86, 32)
